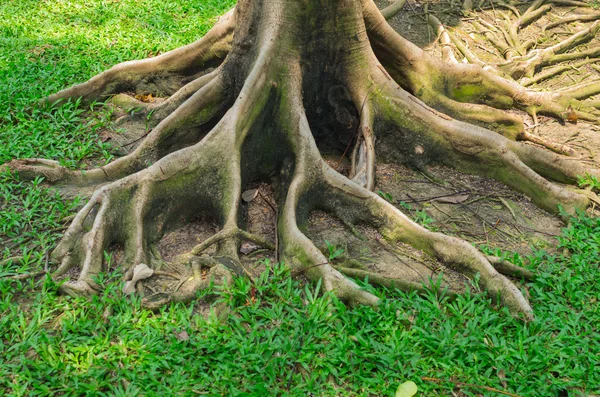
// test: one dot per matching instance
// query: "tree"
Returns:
(244, 104)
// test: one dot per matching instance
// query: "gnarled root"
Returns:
(202, 178)
(162, 75)
(357, 205)
(472, 92)
(255, 108)
(183, 127)
(427, 135)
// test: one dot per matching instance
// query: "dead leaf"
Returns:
(502, 376)
(148, 98)
(104, 136)
(247, 248)
(461, 198)
(182, 336)
(571, 115)
(249, 195)
(140, 272)
(108, 311)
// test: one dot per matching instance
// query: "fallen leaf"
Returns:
(461, 198)
(145, 98)
(247, 248)
(571, 115)
(140, 272)
(108, 311)
(502, 376)
(249, 195)
(407, 389)
(104, 136)
(182, 336)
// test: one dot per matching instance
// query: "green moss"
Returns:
(466, 92)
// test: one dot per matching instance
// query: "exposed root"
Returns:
(121, 212)
(473, 149)
(246, 121)
(548, 144)
(527, 65)
(574, 18)
(361, 206)
(363, 156)
(508, 269)
(187, 288)
(555, 71)
(467, 91)
(162, 75)
(444, 37)
(298, 252)
(162, 109)
(388, 282)
(393, 9)
(24, 276)
(583, 91)
(475, 92)
(228, 234)
(182, 127)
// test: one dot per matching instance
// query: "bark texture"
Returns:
(245, 104)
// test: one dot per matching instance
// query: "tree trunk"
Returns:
(255, 100)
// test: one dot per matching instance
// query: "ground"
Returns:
(494, 225)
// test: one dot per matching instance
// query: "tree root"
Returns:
(255, 107)
(525, 66)
(474, 92)
(180, 128)
(359, 205)
(228, 234)
(162, 75)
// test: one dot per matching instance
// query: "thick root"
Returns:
(161, 76)
(298, 252)
(182, 127)
(446, 86)
(247, 122)
(476, 150)
(122, 212)
(358, 205)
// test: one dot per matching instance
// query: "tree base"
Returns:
(262, 115)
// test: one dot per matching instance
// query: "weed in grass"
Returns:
(334, 251)
(588, 181)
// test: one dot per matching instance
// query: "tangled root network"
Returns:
(246, 102)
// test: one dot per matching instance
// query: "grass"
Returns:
(281, 337)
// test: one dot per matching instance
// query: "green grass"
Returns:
(290, 340)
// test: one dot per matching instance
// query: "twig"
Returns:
(422, 200)
(25, 276)
(509, 208)
(462, 384)
(145, 134)
(299, 271)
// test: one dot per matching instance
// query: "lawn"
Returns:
(280, 337)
